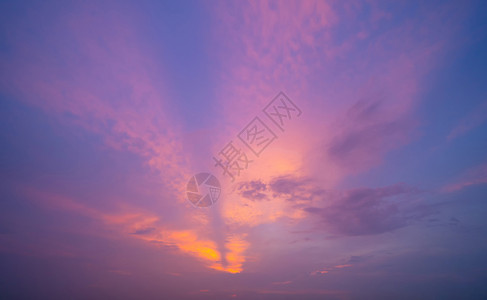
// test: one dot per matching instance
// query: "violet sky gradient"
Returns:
(378, 191)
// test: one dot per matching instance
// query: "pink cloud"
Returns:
(186, 235)
(474, 176)
(470, 122)
(92, 70)
(358, 103)
(337, 79)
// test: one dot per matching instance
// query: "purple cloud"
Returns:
(364, 211)
(295, 188)
(253, 190)
(368, 134)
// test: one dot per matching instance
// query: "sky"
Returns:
(347, 138)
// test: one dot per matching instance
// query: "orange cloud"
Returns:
(146, 226)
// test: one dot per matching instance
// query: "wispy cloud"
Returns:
(368, 132)
(470, 122)
(364, 211)
(473, 176)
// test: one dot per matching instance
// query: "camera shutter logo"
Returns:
(203, 189)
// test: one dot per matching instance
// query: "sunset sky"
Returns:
(376, 189)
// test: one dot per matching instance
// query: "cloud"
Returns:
(92, 69)
(328, 270)
(106, 84)
(470, 122)
(144, 231)
(282, 282)
(473, 176)
(253, 190)
(367, 133)
(294, 188)
(353, 212)
(365, 211)
(149, 227)
(354, 259)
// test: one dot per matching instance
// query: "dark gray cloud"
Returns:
(295, 188)
(368, 133)
(365, 211)
(144, 231)
(358, 211)
(355, 259)
(253, 190)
